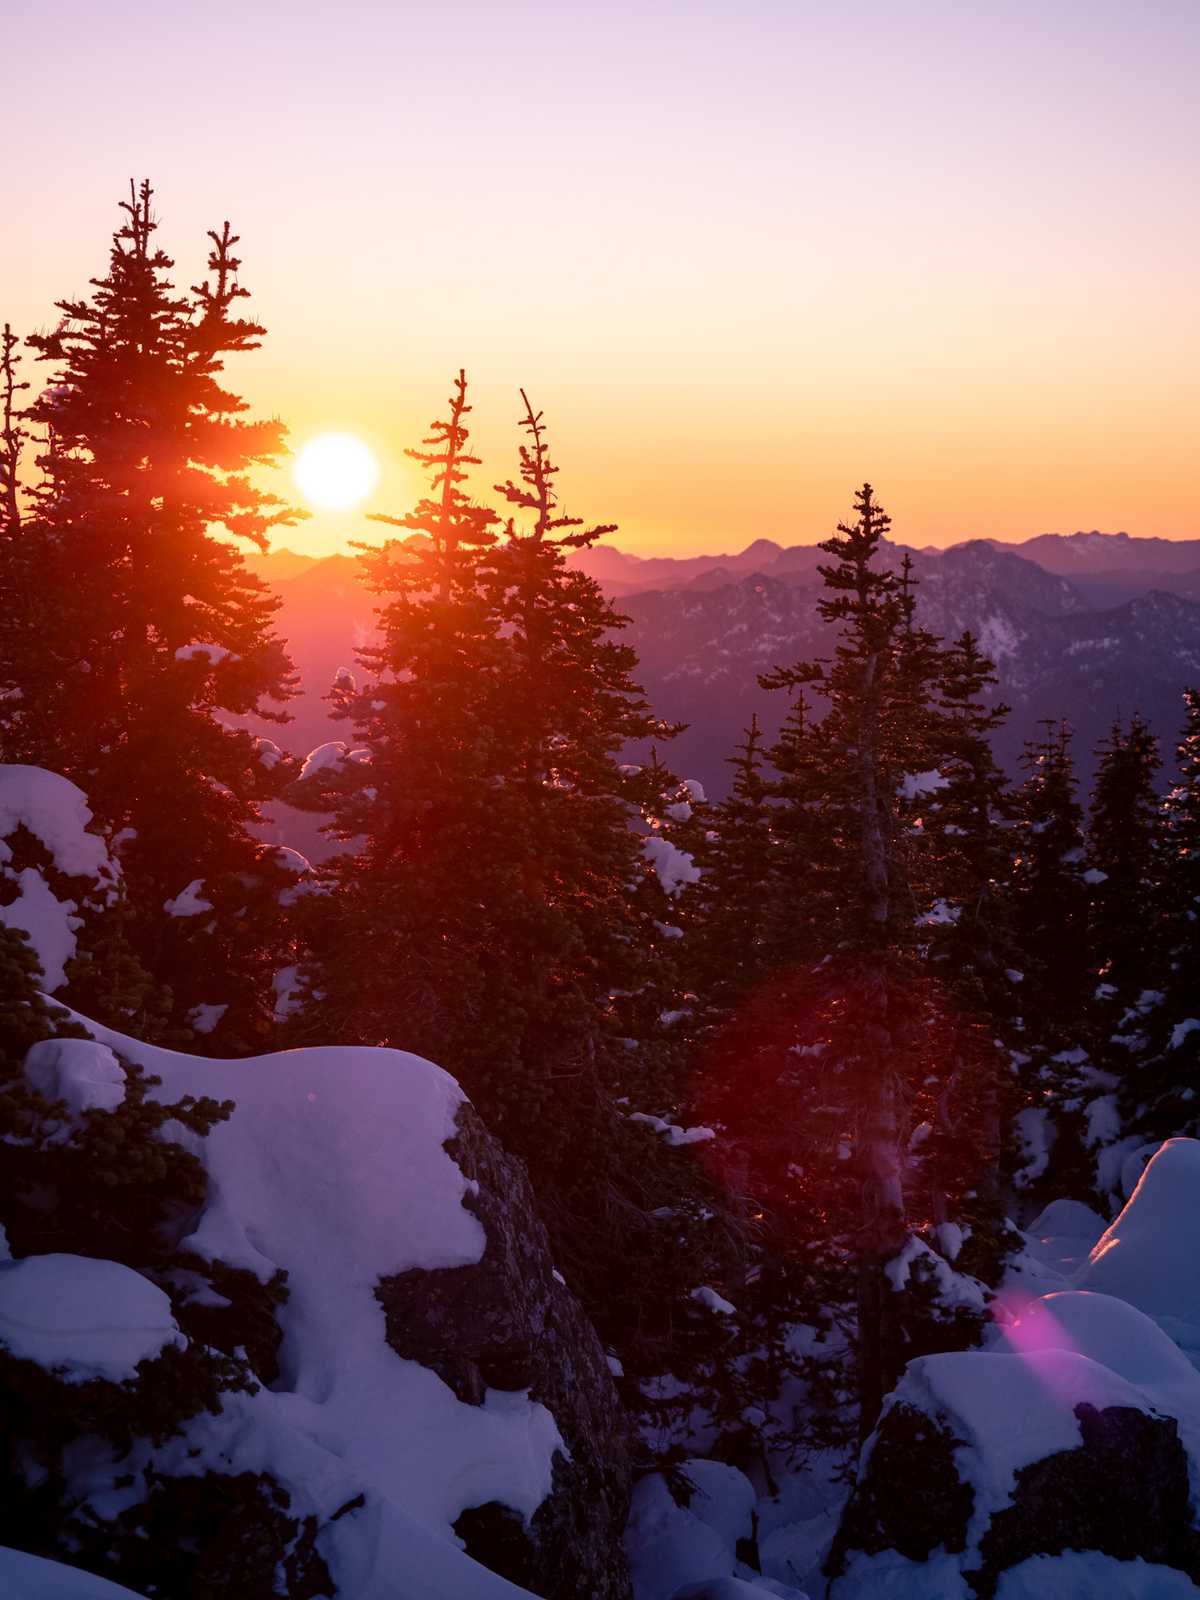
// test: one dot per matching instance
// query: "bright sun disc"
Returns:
(335, 471)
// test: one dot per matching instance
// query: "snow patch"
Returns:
(672, 1546)
(674, 867)
(188, 902)
(715, 1302)
(83, 1318)
(204, 1018)
(286, 984)
(56, 813)
(1088, 1575)
(1148, 1255)
(216, 653)
(85, 1074)
(675, 1135)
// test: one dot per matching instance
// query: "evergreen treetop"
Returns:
(145, 634)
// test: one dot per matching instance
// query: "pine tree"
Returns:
(404, 946)
(1159, 1095)
(732, 902)
(970, 956)
(861, 1005)
(1050, 903)
(1124, 856)
(12, 434)
(498, 914)
(1125, 925)
(1050, 897)
(1182, 843)
(154, 631)
(24, 634)
(596, 940)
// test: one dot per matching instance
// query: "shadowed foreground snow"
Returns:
(25, 1577)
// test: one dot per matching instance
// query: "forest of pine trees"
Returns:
(807, 1043)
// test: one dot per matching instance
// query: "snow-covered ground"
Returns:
(24, 1577)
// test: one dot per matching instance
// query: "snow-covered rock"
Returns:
(422, 1320)
(674, 1546)
(988, 1458)
(508, 1324)
(1065, 1457)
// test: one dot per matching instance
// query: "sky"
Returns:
(742, 256)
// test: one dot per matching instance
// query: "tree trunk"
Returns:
(881, 1217)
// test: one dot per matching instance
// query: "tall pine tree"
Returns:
(863, 1001)
(488, 909)
(1159, 1097)
(156, 633)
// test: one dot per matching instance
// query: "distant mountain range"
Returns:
(1086, 626)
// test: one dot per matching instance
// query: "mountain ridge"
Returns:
(1089, 647)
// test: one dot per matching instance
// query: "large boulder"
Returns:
(509, 1323)
(985, 1459)
(1077, 1431)
(431, 1415)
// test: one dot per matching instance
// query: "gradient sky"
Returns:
(743, 256)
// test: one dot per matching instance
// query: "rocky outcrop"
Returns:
(1122, 1491)
(910, 1498)
(1076, 1430)
(508, 1322)
(347, 1345)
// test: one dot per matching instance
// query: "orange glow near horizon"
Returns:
(732, 299)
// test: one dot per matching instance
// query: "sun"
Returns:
(335, 471)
